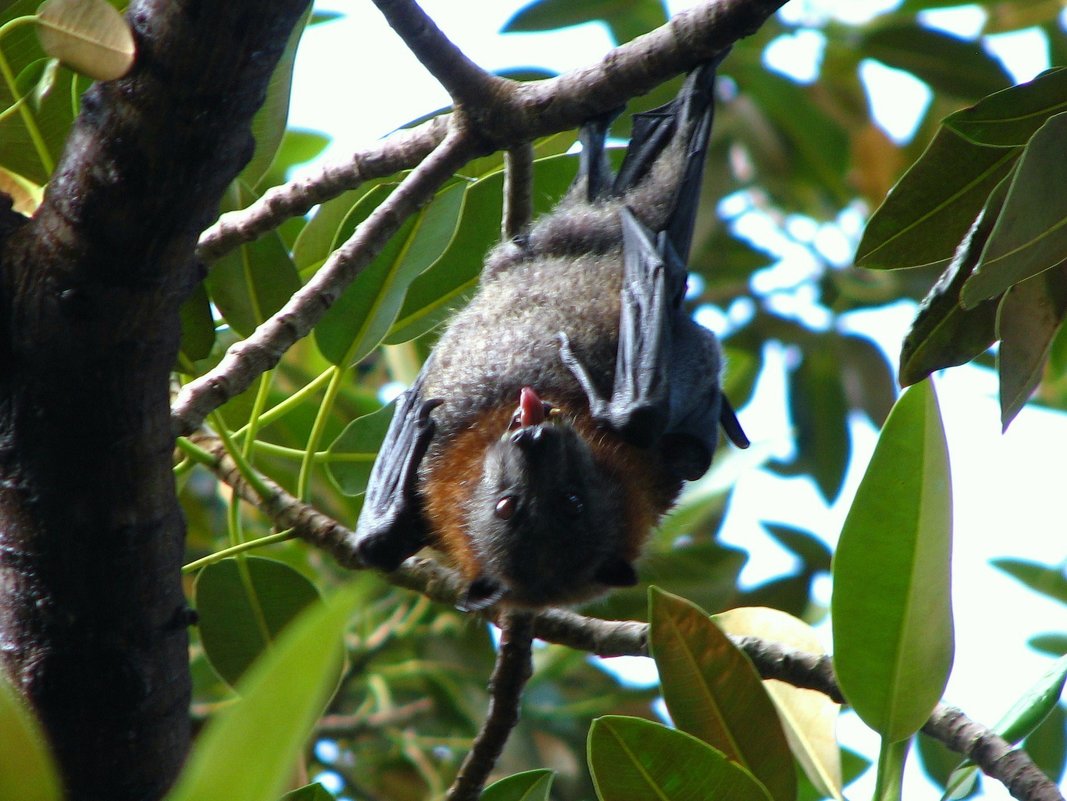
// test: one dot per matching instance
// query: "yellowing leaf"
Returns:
(25, 194)
(808, 717)
(89, 36)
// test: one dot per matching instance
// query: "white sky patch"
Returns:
(1023, 53)
(898, 99)
(964, 21)
(796, 55)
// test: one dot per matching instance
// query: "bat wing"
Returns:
(391, 526)
(666, 385)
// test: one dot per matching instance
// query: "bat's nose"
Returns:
(529, 437)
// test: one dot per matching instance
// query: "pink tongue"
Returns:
(531, 409)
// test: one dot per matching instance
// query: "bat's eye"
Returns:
(505, 507)
(572, 504)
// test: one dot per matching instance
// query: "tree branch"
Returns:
(248, 359)
(465, 81)
(518, 190)
(509, 115)
(991, 753)
(92, 613)
(400, 151)
(512, 670)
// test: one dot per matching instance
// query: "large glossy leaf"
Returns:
(1030, 234)
(891, 606)
(713, 692)
(944, 334)
(27, 769)
(351, 456)
(362, 316)
(253, 281)
(89, 36)
(809, 718)
(933, 205)
(1027, 321)
(1010, 117)
(242, 605)
(948, 63)
(282, 696)
(636, 760)
(531, 785)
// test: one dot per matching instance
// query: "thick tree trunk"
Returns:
(92, 616)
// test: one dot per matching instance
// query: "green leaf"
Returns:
(320, 235)
(1024, 717)
(1028, 319)
(625, 21)
(704, 571)
(198, 327)
(1030, 234)
(1010, 117)
(351, 456)
(243, 604)
(891, 606)
(947, 63)
(812, 551)
(309, 792)
(297, 147)
(809, 718)
(362, 316)
(1035, 705)
(944, 334)
(452, 279)
(635, 760)
(281, 697)
(89, 36)
(51, 114)
(818, 146)
(819, 410)
(1046, 579)
(867, 377)
(28, 769)
(713, 692)
(891, 759)
(1047, 745)
(531, 785)
(1052, 644)
(269, 122)
(927, 213)
(250, 283)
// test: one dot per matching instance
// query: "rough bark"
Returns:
(92, 614)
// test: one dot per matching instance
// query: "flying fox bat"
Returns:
(560, 413)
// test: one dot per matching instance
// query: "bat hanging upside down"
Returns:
(560, 412)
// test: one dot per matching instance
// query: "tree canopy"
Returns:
(166, 281)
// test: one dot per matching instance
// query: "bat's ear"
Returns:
(482, 593)
(616, 572)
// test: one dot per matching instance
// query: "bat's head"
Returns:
(545, 519)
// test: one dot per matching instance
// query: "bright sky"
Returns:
(1006, 486)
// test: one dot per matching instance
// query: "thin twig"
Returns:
(248, 359)
(465, 81)
(510, 674)
(518, 190)
(991, 753)
(401, 151)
